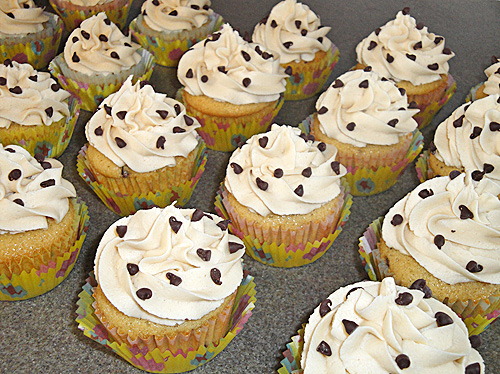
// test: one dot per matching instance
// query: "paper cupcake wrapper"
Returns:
(38, 281)
(365, 181)
(477, 314)
(37, 49)
(472, 95)
(422, 167)
(169, 49)
(286, 256)
(293, 354)
(309, 81)
(126, 204)
(92, 90)
(167, 362)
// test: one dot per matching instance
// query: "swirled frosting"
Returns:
(179, 258)
(361, 109)
(470, 137)
(21, 17)
(281, 172)
(492, 84)
(29, 97)
(380, 328)
(142, 129)
(31, 191)
(226, 68)
(174, 15)
(293, 31)
(451, 227)
(98, 45)
(405, 51)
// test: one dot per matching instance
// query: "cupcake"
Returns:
(168, 28)
(369, 122)
(42, 226)
(294, 32)
(97, 59)
(232, 87)
(492, 84)
(27, 33)
(283, 195)
(416, 59)
(35, 112)
(143, 150)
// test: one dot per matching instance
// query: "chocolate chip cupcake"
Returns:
(492, 84)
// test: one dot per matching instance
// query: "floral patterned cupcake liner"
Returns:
(422, 167)
(293, 354)
(472, 95)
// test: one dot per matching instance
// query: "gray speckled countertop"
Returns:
(40, 335)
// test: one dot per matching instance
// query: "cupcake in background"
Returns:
(294, 32)
(97, 59)
(27, 33)
(492, 84)
(232, 87)
(168, 28)
(416, 59)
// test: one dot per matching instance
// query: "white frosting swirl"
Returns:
(447, 225)
(361, 109)
(168, 264)
(21, 17)
(403, 51)
(30, 191)
(285, 150)
(226, 68)
(492, 84)
(388, 337)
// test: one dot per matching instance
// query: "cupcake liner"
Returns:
(476, 314)
(38, 281)
(311, 77)
(293, 354)
(154, 360)
(126, 204)
(168, 47)
(92, 90)
(51, 141)
(37, 49)
(272, 254)
(472, 95)
(365, 181)
(422, 167)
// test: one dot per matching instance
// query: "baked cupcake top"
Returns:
(182, 258)
(98, 46)
(284, 172)
(492, 84)
(29, 97)
(451, 227)
(293, 31)
(405, 50)
(21, 17)
(360, 109)
(378, 327)
(141, 128)
(175, 15)
(469, 138)
(32, 190)
(226, 68)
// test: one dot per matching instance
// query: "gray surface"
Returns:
(40, 335)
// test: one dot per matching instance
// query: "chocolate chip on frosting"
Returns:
(421, 285)
(413, 105)
(349, 326)
(403, 361)
(121, 114)
(367, 69)
(477, 175)
(160, 142)
(278, 173)
(364, 84)
(494, 126)
(48, 183)
(404, 298)
(193, 6)
(389, 58)
(397, 220)
(425, 193)
(85, 35)
(411, 57)
(75, 58)
(75, 39)
(178, 130)
(115, 55)
(103, 38)
(18, 202)
(420, 26)
(488, 168)
(216, 275)
(324, 349)
(162, 113)
(156, 3)
(16, 90)
(465, 213)
(432, 147)
(377, 31)
(299, 191)
(338, 83)
(189, 73)
(236, 168)
(11, 15)
(447, 51)
(433, 66)
(476, 131)
(267, 56)
(3, 81)
(335, 165)
(222, 69)
(298, 23)
(454, 173)
(439, 241)
(443, 319)
(175, 280)
(322, 146)
(417, 45)
(323, 110)
(204, 78)
(132, 269)
(204, 254)
(325, 307)
(372, 45)
(144, 293)
(438, 39)
(174, 224)
(402, 91)
(350, 126)
(459, 121)
(307, 172)
(206, 7)
(474, 368)
(263, 141)
(235, 247)
(188, 120)
(173, 13)
(46, 165)
(8, 62)
(246, 82)
(120, 142)
(49, 111)
(288, 44)
(107, 108)
(121, 230)
(223, 225)
(475, 341)
(98, 131)
(33, 78)
(303, 32)
(274, 24)
(393, 122)
(474, 267)
(197, 215)
(246, 56)
(14, 175)
(261, 184)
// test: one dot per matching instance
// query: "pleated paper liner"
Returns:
(293, 354)
(126, 204)
(477, 314)
(422, 167)
(472, 95)
(167, 362)
(366, 181)
(39, 281)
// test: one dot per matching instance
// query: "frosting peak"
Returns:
(21, 17)
(492, 84)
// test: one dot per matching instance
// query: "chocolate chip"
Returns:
(267, 56)
(49, 111)
(338, 83)
(132, 269)
(10, 15)
(261, 184)
(8, 62)
(443, 319)
(33, 78)
(350, 126)
(474, 368)
(156, 3)
(174, 224)
(404, 298)
(144, 293)
(477, 175)
(432, 147)
(204, 78)
(397, 220)
(206, 7)
(389, 58)
(320, 39)
(303, 32)
(10, 150)
(393, 122)
(278, 173)
(16, 90)
(197, 215)
(439, 241)
(236, 168)
(494, 126)
(287, 45)
(325, 307)
(39, 157)
(222, 69)
(75, 39)
(46, 165)
(178, 130)
(417, 45)
(120, 142)
(474, 267)
(246, 56)
(163, 113)
(425, 193)
(18, 202)
(75, 58)
(173, 13)
(349, 326)
(402, 91)
(263, 141)
(324, 349)
(322, 146)
(406, 10)
(364, 84)
(420, 26)
(421, 285)
(274, 24)
(107, 108)
(48, 183)
(488, 168)
(115, 55)
(246, 82)
(335, 165)
(367, 69)
(372, 45)
(459, 121)
(127, 45)
(55, 87)
(413, 105)
(447, 51)
(14, 175)
(475, 341)
(352, 290)
(174, 279)
(3, 81)
(438, 39)
(476, 131)
(323, 110)
(411, 57)
(194, 6)
(453, 174)
(307, 172)
(403, 361)
(216, 275)
(26, 6)
(235, 247)
(223, 225)
(299, 191)
(377, 31)
(121, 230)
(298, 23)
(465, 213)
(121, 114)
(433, 66)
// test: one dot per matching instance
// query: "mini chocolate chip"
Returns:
(115, 55)
(8, 62)
(406, 10)
(263, 141)
(3, 81)
(204, 254)
(33, 78)
(120, 142)
(322, 146)
(261, 184)
(425, 193)
(420, 26)
(46, 165)
(439, 241)
(107, 108)
(389, 58)
(143, 13)
(26, 6)
(454, 173)
(474, 267)
(49, 111)
(267, 56)
(447, 51)
(310, 137)
(121, 230)
(204, 78)
(475, 341)
(178, 130)
(323, 110)
(144, 293)
(39, 157)
(404, 298)
(403, 361)
(364, 84)
(299, 191)
(494, 126)
(127, 45)
(411, 57)
(189, 73)
(206, 7)
(160, 142)
(350, 126)
(474, 368)
(246, 82)
(307, 172)
(188, 120)
(174, 279)
(438, 39)
(163, 113)
(278, 173)
(216, 275)
(476, 131)
(325, 307)
(402, 91)
(303, 32)
(443, 319)
(433, 66)
(488, 168)
(367, 69)
(417, 45)
(335, 165)
(393, 122)
(16, 90)
(173, 13)
(432, 147)
(477, 175)
(413, 105)
(174, 224)
(287, 44)
(236, 168)
(132, 269)
(156, 2)
(10, 150)
(55, 87)
(274, 24)
(85, 35)
(235, 247)
(246, 56)
(194, 6)
(48, 183)
(494, 59)
(320, 39)
(75, 58)
(75, 39)
(18, 202)
(222, 69)
(98, 131)
(465, 212)
(338, 83)
(121, 114)
(14, 175)
(10, 15)
(349, 326)
(397, 220)
(377, 31)
(298, 23)
(459, 121)
(351, 291)
(223, 225)
(372, 45)
(324, 349)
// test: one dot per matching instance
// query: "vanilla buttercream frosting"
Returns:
(281, 172)
(168, 265)
(405, 50)
(226, 68)
(293, 31)
(32, 190)
(360, 108)
(21, 17)
(141, 128)
(380, 328)
(492, 84)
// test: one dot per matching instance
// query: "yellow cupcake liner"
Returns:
(310, 79)
(477, 314)
(293, 355)
(422, 168)
(155, 361)
(39, 281)
(51, 141)
(37, 49)
(126, 204)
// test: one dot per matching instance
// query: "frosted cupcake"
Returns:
(492, 84)
(294, 32)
